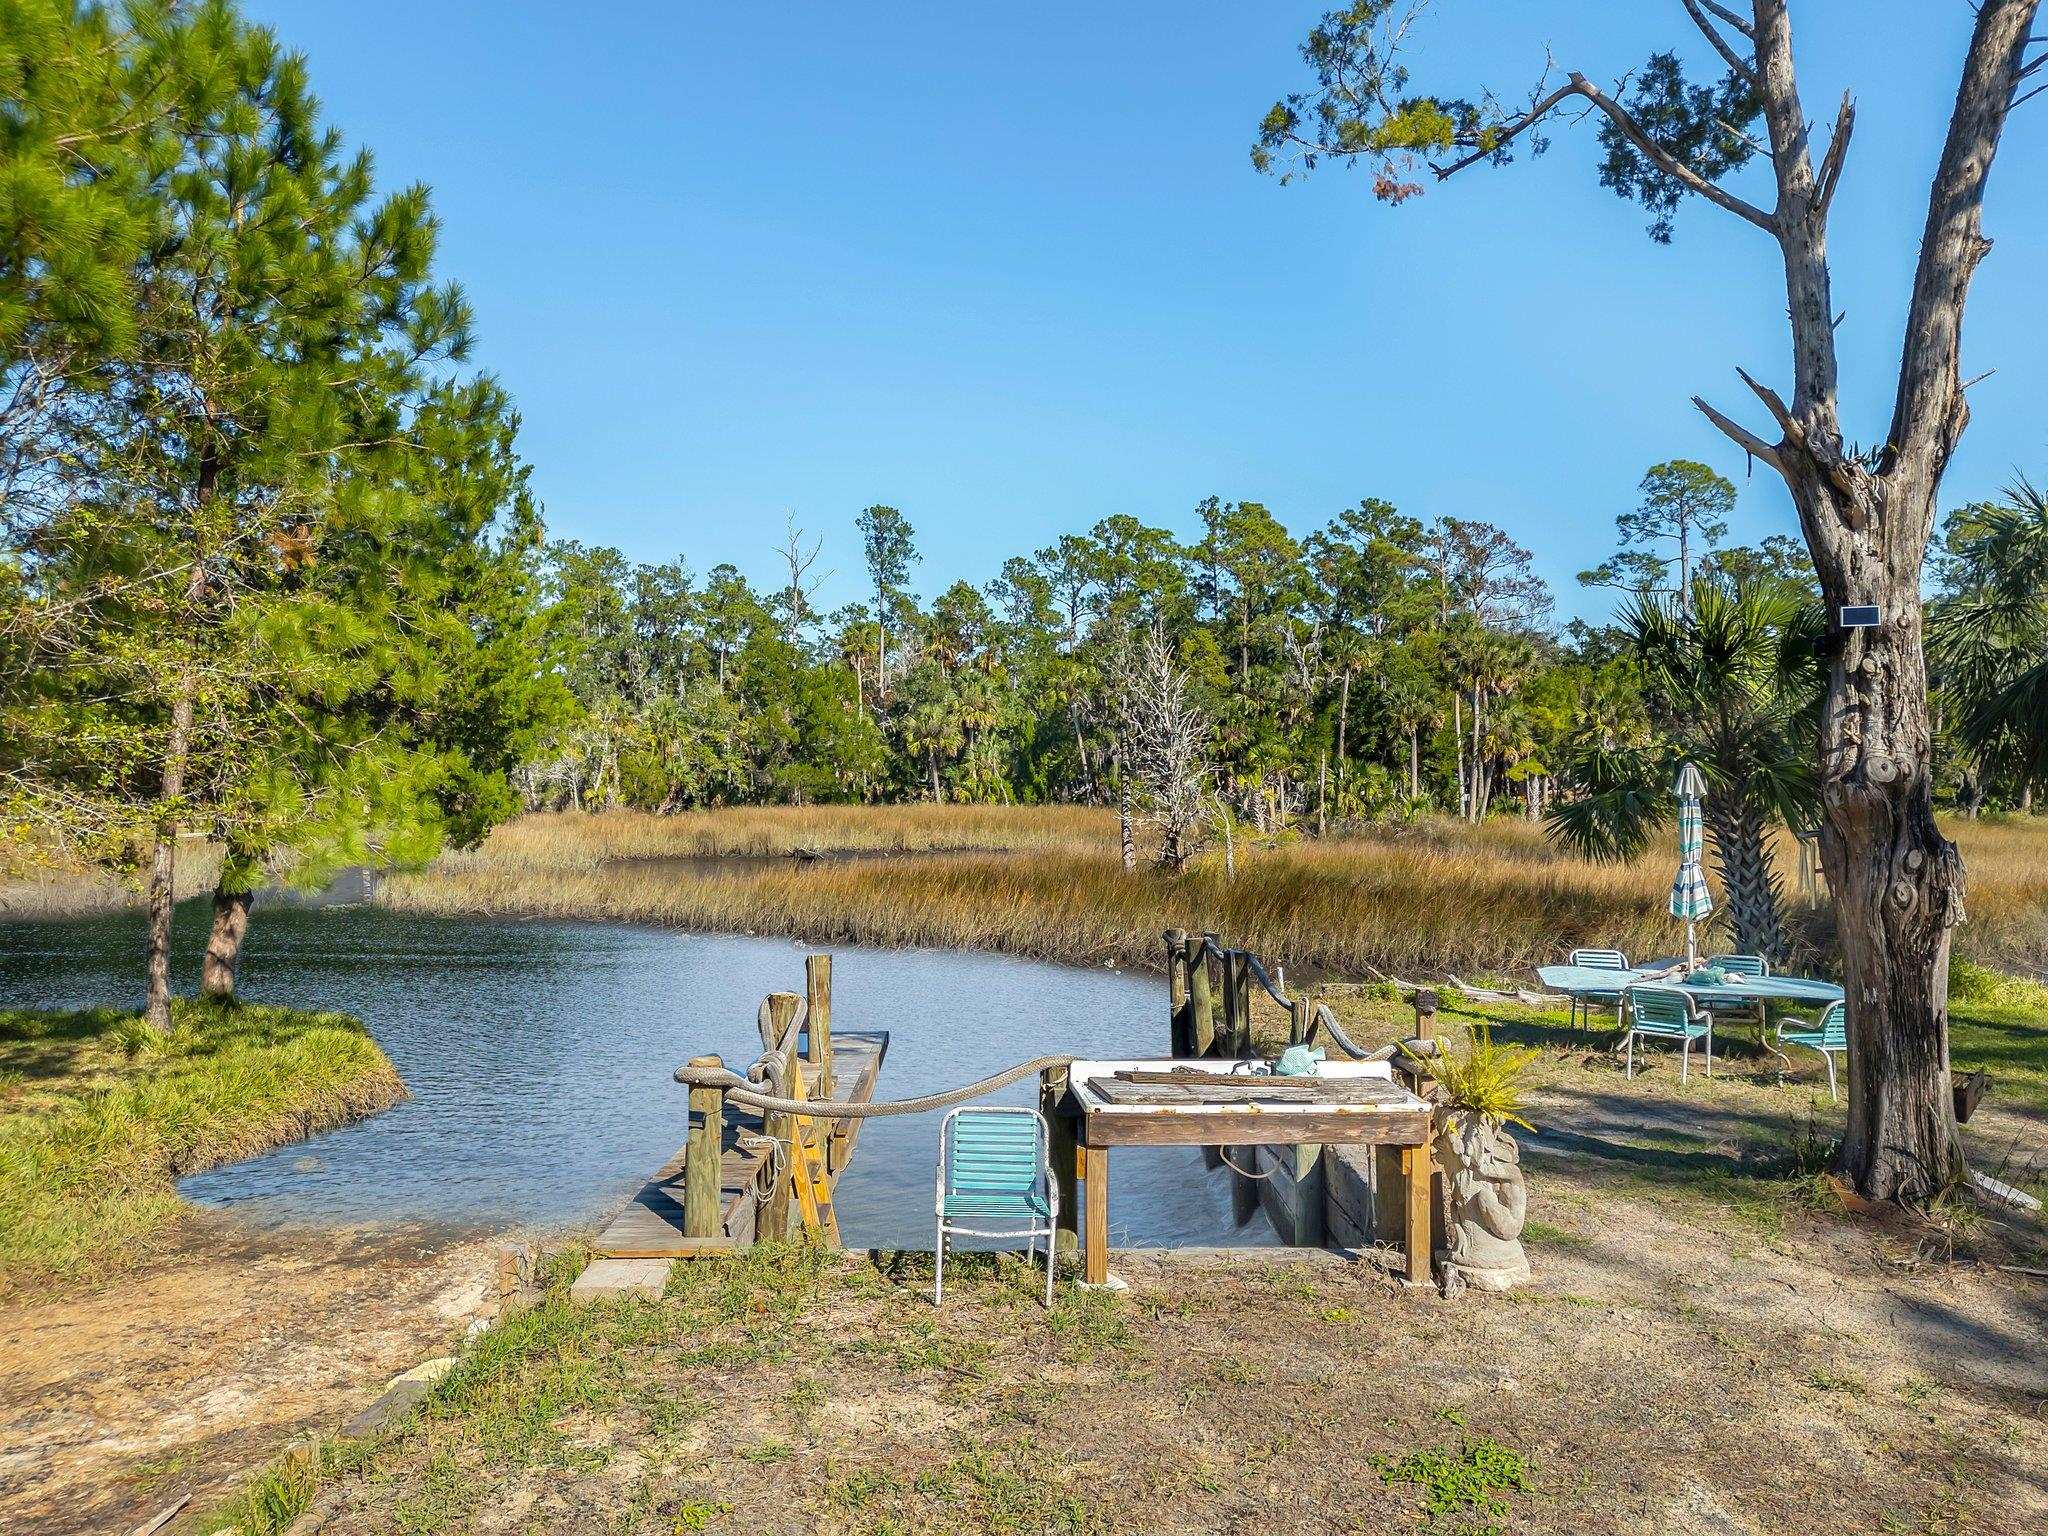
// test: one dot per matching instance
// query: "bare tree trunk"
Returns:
(1458, 736)
(1323, 796)
(1125, 839)
(1415, 762)
(1895, 880)
(223, 958)
(1343, 720)
(163, 858)
(1081, 746)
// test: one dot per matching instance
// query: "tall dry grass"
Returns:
(1416, 900)
(572, 840)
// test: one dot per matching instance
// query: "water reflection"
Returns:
(539, 1057)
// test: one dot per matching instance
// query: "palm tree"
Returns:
(1735, 686)
(1989, 638)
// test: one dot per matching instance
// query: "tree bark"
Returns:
(1125, 840)
(163, 858)
(224, 945)
(1895, 880)
(1749, 881)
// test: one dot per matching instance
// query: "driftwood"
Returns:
(164, 1516)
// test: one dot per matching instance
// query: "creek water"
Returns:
(539, 1057)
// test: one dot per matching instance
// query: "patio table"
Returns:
(1588, 980)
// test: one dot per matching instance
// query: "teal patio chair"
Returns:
(1669, 1013)
(995, 1180)
(1741, 965)
(1581, 1012)
(1828, 1035)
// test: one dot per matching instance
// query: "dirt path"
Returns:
(189, 1371)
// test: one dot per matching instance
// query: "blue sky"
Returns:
(1009, 269)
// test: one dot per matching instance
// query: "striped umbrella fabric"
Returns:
(1690, 898)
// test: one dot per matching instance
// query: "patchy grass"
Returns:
(98, 1116)
(1417, 899)
(792, 1389)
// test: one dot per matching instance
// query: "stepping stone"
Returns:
(621, 1277)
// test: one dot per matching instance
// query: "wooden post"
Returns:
(1095, 1239)
(1201, 1001)
(1237, 992)
(1052, 1090)
(704, 1158)
(1234, 978)
(774, 1219)
(1418, 1170)
(818, 1019)
(1177, 1031)
(1298, 1015)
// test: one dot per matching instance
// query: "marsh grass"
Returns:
(1419, 899)
(99, 1116)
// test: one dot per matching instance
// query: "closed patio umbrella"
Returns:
(1690, 898)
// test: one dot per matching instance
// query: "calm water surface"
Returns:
(539, 1057)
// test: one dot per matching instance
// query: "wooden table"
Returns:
(1352, 1103)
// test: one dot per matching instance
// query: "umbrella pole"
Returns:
(1691, 947)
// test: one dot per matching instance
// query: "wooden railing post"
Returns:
(1235, 1037)
(774, 1219)
(1061, 1149)
(704, 1158)
(1226, 1028)
(1176, 991)
(1298, 1018)
(1201, 1000)
(818, 1019)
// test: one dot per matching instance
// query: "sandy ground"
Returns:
(187, 1372)
(1668, 1372)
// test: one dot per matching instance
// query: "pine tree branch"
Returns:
(1578, 85)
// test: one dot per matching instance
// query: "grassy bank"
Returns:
(98, 1117)
(1420, 899)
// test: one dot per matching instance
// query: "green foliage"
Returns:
(1466, 1483)
(1702, 127)
(1484, 1077)
(1988, 634)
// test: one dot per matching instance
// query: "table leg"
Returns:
(1417, 1167)
(1095, 1223)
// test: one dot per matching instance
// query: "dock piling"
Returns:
(704, 1156)
(1063, 1154)
(1178, 1031)
(818, 1018)
(1201, 999)
(779, 1015)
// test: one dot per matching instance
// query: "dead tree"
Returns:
(1165, 738)
(1867, 512)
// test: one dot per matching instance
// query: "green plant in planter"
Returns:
(1485, 1079)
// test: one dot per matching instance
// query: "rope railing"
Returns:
(747, 1091)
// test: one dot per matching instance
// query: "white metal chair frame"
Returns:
(1031, 1231)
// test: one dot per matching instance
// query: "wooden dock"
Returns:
(651, 1225)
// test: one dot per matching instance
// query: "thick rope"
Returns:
(746, 1091)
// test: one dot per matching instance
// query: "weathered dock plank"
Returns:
(651, 1225)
